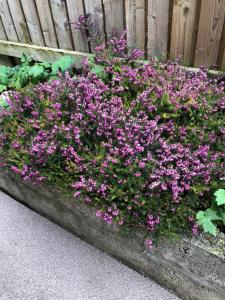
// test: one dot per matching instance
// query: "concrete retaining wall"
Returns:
(192, 268)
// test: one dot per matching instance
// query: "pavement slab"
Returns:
(40, 260)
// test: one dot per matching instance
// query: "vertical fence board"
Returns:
(46, 21)
(7, 21)
(221, 48)
(114, 16)
(33, 23)
(158, 20)
(209, 33)
(75, 9)
(135, 23)
(2, 31)
(184, 30)
(62, 25)
(94, 11)
(19, 21)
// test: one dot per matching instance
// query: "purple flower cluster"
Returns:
(28, 174)
(152, 222)
(112, 213)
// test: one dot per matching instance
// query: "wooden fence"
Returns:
(190, 30)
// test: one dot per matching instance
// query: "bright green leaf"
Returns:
(36, 71)
(209, 227)
(220, 196)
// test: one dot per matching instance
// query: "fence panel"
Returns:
(192, 31)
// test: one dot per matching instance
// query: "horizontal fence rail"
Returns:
(192, 31)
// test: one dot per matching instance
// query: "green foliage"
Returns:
(205, 219)
(63, 64)
(98, 70)
(31, 72)
(214, 213)
(4, 71)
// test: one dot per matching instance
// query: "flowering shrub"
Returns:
(142, 142)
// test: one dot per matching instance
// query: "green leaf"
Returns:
(36, 71)
(20, 78)
(4, 74)
(4, 70)
(209, 227)
(205, 218)
(45, 64)
(62, 64)
(220, 196)
(25, 60)
(221, 214)
(98, 70)
(223, 218)
(53, 77)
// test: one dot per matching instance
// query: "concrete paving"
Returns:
(40, 260)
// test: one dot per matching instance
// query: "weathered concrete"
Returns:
(193, 268)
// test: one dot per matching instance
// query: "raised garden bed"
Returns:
(192, 268)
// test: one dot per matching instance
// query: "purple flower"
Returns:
(148, 244)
